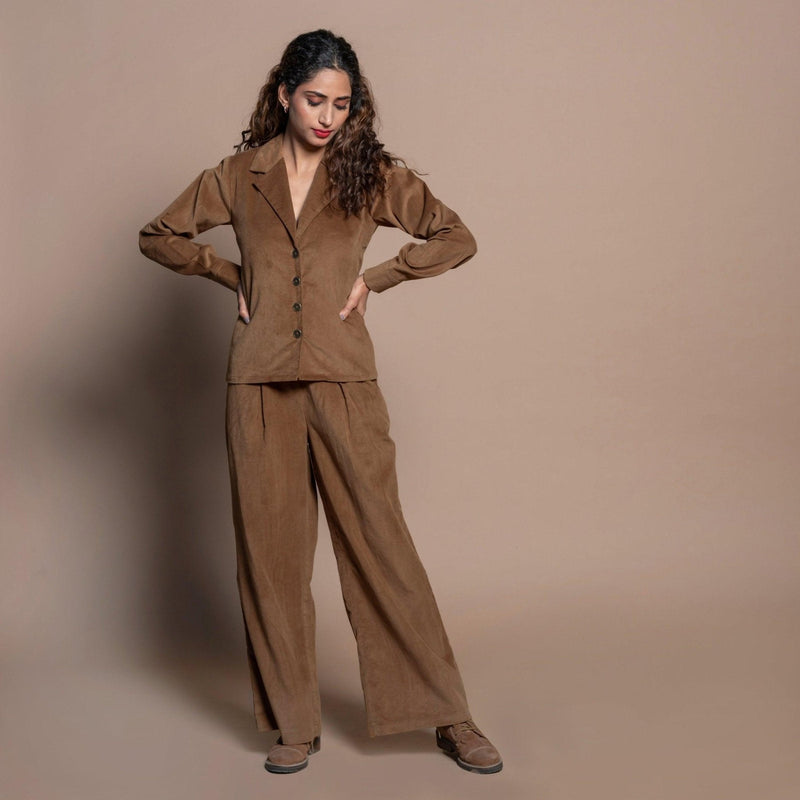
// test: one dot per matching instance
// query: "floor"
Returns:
(585, 702)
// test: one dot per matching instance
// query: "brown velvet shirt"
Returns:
(297, 274)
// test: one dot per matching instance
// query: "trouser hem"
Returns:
(287, 736)
(264, 725)
(386, 728)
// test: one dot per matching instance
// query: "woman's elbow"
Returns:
(472, 244)
(469, 246)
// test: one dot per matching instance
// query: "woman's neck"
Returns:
(299, 158)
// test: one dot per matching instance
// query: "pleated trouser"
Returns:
(285, 440)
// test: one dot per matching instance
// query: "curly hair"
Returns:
(357, 162)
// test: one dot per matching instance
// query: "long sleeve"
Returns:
(205, 203)
(409, 204)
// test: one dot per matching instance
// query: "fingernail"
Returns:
(341, 315)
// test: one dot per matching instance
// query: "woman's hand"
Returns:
(243, 312)
(357, 299)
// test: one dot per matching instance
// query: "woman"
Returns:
(305, 190)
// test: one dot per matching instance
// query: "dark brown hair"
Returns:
(357, 162)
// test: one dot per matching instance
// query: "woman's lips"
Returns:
(320, 134)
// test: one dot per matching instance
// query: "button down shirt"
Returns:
(296, 274)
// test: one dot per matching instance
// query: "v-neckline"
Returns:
(314, 178)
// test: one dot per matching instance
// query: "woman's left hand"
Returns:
(357, 299)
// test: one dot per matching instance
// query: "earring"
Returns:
(286, 108)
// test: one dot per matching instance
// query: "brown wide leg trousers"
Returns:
(284, 440)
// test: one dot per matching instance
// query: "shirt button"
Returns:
(296, 280)
(295, 253)
(297, 306)
(297, 333)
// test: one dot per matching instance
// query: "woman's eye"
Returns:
(312, 103)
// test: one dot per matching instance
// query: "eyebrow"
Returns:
(320, 94)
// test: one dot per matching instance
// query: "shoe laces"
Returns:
(462, 728)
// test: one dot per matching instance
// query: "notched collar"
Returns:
(272, 181)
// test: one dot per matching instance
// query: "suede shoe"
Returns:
(471, 750)
(283, 758)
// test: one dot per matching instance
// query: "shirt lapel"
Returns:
(272, 181)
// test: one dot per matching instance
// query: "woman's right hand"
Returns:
(243, 312)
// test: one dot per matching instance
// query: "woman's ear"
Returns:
(283, 95)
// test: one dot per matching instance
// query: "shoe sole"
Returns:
(450, 749)
(285, 769)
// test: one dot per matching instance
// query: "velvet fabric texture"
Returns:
(285, 439)
(296, 274)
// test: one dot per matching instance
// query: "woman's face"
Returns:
(318, 107)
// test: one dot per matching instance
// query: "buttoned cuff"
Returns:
(381, 276)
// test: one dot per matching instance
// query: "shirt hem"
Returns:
(280, 378)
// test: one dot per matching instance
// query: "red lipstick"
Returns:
(320, 134)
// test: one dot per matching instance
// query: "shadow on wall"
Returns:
(177, 408)
(145, 400)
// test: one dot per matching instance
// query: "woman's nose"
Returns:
(325, 116)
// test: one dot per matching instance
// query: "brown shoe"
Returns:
(283, 758)
(469, 747)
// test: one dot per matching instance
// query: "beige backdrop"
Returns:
(596, 418)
